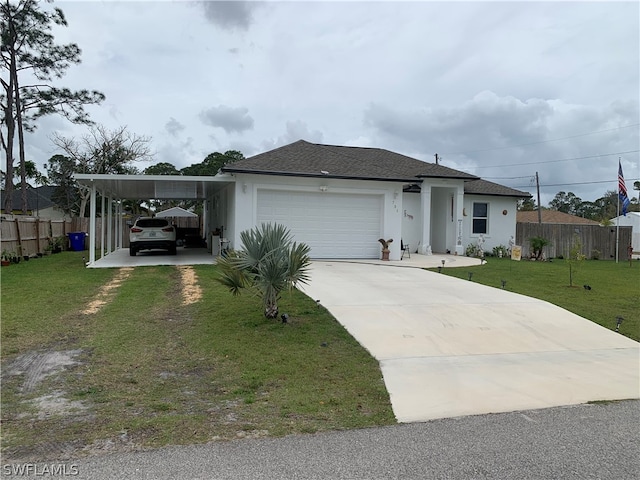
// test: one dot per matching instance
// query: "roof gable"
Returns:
(37, 198)
(302, 158)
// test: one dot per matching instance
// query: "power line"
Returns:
(542, 141)
(561, 160)
(613, 181)
(509, 178)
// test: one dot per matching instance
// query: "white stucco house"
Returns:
(631, 219)
(339, 200)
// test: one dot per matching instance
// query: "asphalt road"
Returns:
(599, 441)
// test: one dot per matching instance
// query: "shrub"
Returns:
(269, 263)
(473, 250)
(500, 251)
(537, 244)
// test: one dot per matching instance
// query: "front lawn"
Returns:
(144, 368)
(613, 289)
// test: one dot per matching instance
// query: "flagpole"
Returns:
(618, 215)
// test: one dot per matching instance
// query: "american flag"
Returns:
(622, 191)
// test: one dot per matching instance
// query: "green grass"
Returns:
(615, 287)
(154, 371)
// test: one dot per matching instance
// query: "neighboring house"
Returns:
(553, 216)
(632, 219)
(39, 203)
(339, 200)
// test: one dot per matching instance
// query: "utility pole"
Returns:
(437, 158)
(538, 189)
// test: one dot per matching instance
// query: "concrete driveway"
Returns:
(449, 347)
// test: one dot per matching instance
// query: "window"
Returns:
(480, 217)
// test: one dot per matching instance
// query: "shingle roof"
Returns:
(553, 216)
(37, 198)
(483, 187)
(302, 158)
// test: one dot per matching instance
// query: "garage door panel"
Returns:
(333, 225)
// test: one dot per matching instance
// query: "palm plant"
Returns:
(537, 244)
(269, 263)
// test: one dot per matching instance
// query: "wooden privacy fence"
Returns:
(28, 236)
(597, 241)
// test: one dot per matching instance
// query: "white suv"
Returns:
(149, 233)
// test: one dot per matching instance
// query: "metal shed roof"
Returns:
(176, 187)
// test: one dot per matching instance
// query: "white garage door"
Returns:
(333, 225)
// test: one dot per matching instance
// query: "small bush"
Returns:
(537, 244)
(473, 250)
(595, 254)
(500, 251)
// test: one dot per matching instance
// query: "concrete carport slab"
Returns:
(449, 347)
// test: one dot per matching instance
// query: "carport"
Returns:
(115, 188)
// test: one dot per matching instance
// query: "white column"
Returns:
(425, 208)
(459, 220)
(110, 225)
(92, 225)
(102, 232)
(205, 223)
(118, 224)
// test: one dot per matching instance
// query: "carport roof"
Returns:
(155, 186)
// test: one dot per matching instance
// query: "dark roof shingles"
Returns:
(340, 161)
(302, 158)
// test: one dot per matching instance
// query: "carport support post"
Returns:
(92, 225)
(425, 204)
(110, 224)
(102, 232)
(118, 224)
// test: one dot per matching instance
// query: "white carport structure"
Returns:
(115, 188)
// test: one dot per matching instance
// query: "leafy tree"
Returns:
(60, 170)
(103, 151)
(269, 263)
(28, 49)
(162, 168)
(213, 163)
(608, 205)
(526, 205)
(566, 202)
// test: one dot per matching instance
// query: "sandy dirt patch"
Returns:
(191, 291)
(56, 404)
(36, 366)
(107, 291)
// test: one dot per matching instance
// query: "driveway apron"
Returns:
(449, 347)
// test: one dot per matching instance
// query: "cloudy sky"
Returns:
(501, 90)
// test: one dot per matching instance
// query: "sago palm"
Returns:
(268, 263)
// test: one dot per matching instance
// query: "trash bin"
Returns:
(77, 241)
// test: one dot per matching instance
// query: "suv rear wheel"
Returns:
(132, 251)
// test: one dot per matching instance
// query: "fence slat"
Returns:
(597, 241)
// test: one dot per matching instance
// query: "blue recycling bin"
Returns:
(77, 241)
